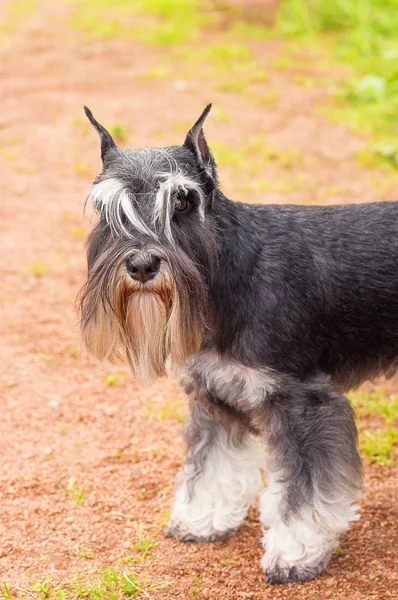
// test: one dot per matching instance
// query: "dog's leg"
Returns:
(220, 480)
(314, 478)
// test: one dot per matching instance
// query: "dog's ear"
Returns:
(197, 143)
(105, 137)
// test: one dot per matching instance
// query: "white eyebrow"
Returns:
(115, 200)
(163, 209)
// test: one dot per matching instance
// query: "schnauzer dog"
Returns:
(272, 311)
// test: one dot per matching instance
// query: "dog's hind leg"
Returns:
(314, 478)
(220, 480)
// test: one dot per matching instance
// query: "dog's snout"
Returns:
(143, 268)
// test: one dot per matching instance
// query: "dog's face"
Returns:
(151, 255)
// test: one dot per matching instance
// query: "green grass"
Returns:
(38, 268)
(75, 492)
(362, 35)
(144, 545)
(156, 22)
(167, 408)
(103, 584)
(378, 439)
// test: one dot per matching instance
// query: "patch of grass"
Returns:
(109, 585)
(251, 158)
(81, 168)
(115, 377)
(112, 379)
(144, 544)
(5, 592)
(16, 12)
(9, 155)
(377, 402)
(37, 268)
(363, 36)
(88, 554)
(78, 232)
(157, 22)
(378, 445)
(165, 408)
(118, 132)
(74, 491)
(161, 72)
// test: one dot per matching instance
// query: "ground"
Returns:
(88, 456)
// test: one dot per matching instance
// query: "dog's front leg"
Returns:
(220, 480)
(314, 477)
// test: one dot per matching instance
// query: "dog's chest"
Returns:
(228, 381)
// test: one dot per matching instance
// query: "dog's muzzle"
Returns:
(143, 268)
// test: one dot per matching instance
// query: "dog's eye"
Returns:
(181, 203)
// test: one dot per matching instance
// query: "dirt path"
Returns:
(87, 456)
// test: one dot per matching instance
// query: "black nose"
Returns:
(143, 268)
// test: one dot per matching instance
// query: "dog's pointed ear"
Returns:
(105, 137)
(197, 143)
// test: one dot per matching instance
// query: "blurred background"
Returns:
(305, 110)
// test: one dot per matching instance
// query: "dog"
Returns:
(272, 312)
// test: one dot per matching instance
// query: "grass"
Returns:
(103, 584)
(38, 268)
(155, 22)
(118, 132)
(378, 440)
(144, 545)
(362, 36)
(75, 492)
(165, 408)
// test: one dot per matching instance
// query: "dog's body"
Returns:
(273, 311)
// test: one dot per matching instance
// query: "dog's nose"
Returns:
(143, 268)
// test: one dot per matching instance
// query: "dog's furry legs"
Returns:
(314, 478)
(220, 480)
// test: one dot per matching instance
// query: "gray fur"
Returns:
(274, 310)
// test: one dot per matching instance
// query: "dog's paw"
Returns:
(182, 532)
(281, 572)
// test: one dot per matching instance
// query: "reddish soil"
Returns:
(61, 419)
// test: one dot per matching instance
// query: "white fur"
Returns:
(253, 384)
(115, 200)
(170, 184)
(223, 492)
(307, 539)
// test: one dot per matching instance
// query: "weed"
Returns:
(380, 446)
(108, 584)
(81, 169)
(144, 544)
(156, 22)
(169, 408)
(88, 554)
(118, 132)
(78, 232)
(37, 268)
(74, 491)
(5, 592)
(112, 379)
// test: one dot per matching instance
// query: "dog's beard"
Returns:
(143, 324)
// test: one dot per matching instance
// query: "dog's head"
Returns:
(151, 255)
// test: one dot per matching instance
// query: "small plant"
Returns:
(144, 544)
(170, 408)
(5, 593)
(38, 268)
(75, 492)
(118, 132)
(380, 446)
